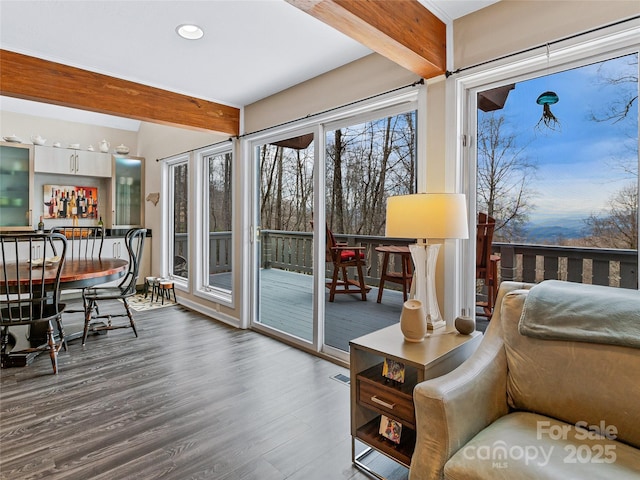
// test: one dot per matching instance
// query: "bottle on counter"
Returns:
(100, 224)
(40, 225)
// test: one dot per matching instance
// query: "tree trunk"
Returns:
(337, 217)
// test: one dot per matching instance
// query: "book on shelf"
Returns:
(393, 370)
(390, 429)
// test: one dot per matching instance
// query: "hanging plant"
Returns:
(549, 120)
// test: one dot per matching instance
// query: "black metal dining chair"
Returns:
(134, 242)
(83, 243)
(30, 290)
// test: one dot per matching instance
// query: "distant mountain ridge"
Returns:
(555, 228)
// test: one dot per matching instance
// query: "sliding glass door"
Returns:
(368, 159)
(284, 236)
(329, 177)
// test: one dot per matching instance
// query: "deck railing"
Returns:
(220, 249)
(519, 262)
(598, 266)
(293, 251)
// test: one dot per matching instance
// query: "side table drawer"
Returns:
(388, 401)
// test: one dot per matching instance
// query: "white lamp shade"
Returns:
(427, 215)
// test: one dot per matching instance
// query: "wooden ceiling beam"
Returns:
(404, 31)
(32, 78)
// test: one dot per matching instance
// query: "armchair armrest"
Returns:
(453, 408)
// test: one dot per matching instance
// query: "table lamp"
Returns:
(427, 216)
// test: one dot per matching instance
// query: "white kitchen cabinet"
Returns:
(16, 186)
(66, 161)
(114, 248)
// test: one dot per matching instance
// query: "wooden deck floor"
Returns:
(286, 304)
(190, 398)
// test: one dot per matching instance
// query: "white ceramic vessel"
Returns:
(413, 321)
(38, 140)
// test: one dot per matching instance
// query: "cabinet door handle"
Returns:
(71, 163)
(375, 399)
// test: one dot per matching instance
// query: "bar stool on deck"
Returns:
(404, 277)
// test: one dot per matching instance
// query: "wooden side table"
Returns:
(373, 395)
(404, 277)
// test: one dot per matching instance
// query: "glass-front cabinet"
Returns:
(127, 191)
(16, 186)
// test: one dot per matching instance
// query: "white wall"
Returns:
(514, 25)
(363, 78)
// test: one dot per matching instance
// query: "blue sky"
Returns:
(576, 164)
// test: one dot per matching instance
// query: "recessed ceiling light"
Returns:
(190, 32)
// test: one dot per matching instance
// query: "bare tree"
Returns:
(335, 215)
(627, 81)
(220, 193)
(366, 164)
(618, 226)
(504, 177)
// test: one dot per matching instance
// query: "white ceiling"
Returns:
(251, 48)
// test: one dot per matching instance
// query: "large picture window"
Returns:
(218, 219)
(179, 219)
(557, 171)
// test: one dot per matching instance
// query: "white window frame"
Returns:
(391, 103)
(586, 49)
(201, 197)
(167, 216)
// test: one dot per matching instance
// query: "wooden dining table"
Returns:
(76, 273)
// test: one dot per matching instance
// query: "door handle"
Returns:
(254, 234)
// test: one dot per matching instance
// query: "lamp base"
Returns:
(423, 287)
(436, 325)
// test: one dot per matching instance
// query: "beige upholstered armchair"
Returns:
(551, 392)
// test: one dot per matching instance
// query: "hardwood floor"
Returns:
(189, 399)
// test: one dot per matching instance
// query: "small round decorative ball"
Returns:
(465, 325)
